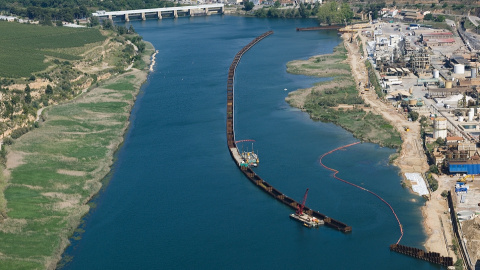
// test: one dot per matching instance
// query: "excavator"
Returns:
(463, 179)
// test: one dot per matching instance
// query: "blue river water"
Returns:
(176, 200)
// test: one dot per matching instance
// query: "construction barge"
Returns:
(249, 173)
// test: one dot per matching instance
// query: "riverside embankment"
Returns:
(54, 170)
(324, 103)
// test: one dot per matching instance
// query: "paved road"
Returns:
(474, 20)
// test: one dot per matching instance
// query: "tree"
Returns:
(141, 47)
(428, 17)
(332, 12)
(28, 98)
(302, 10)
(440, 18)
(440, 141)
(131, 30)
(82, 11)
(47, 21)
(277, 4)
(94, 21)
(27, 89)
(107, 24)
(433, 169)
(444, 5)
(247, 5)
(413, 115)
(49, 90)
(59, 23)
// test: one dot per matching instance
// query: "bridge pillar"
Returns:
(191, 13)
(126, 17)
(206, 11)
(110, 17)
(175, 15)
(159, 14)
(143, 16)
(222, 10)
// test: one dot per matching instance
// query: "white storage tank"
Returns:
(460, 119)
(439, 133)
(473, 73)
(459, 69)
(440, 128)
(436, 74)
(471, 114)
(440, 123)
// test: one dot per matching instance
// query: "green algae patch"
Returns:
(338, 101)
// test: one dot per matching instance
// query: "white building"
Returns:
(7, 18)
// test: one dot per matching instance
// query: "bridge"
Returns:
(159, 13)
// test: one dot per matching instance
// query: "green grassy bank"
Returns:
(338, 101)
(56, 168)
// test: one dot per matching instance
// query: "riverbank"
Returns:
(54, 170)
(411, 157)
(338, 100)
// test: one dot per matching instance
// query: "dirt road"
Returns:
(412, 157)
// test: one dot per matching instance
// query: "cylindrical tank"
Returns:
(473, 73)
(439, 133)
(448, 84)
(440, 123)
(471, 114)
(410, 90)
(459, 69)
(436, 74)
(460, 118)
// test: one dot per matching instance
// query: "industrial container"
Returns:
(448, 84)
(459, 69)
(473, 73)
(412, 102)
(436, 74)
(471, 114)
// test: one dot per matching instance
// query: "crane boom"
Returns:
(300, 207)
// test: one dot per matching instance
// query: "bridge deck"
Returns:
(153, 10)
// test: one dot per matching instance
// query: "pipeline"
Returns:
(432, 257)
(249, 173)
(315, 28)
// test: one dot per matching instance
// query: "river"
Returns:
(176, 200)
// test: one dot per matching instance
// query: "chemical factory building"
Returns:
(468, 167)
(436, 35)
(439, 42)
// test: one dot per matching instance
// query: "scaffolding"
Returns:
(420, 60)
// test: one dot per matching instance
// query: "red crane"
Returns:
(300, 207)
